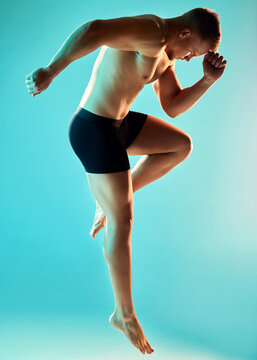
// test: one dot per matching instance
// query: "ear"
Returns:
(184, 33)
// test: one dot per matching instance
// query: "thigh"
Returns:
(158, 136)
(97, 143)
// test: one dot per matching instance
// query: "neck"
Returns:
(173, 27)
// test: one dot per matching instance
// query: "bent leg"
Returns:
(151, 167)
(163, 147)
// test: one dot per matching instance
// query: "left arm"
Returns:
(175, 100)
(188, 97)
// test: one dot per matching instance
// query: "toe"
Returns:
(149, 346)
(143, 346)
(147, 349)
(137, 344)
(140, 346)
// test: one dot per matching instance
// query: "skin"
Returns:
(110, 93)
(183, 43)
(132, 69)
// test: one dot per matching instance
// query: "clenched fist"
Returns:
(38, 81)
(213, 65)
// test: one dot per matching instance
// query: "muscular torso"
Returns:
(117, 78)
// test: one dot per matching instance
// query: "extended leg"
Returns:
(113, 191)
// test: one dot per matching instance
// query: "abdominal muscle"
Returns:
(115, 81)
(106, 102)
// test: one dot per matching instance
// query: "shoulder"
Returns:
(142, 33)
(156, 44)
(160, 23)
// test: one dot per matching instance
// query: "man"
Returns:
(136, 50)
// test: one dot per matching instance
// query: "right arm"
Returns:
(80, 43)
(142, 33)
(125, 33)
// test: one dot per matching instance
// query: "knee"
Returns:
(122, 216)
(118, 235)
(186, 145)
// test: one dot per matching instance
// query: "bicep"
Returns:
(166, 87)
(132, 33)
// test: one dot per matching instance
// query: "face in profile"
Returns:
(185, 45)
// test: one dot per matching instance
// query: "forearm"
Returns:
(187, 97)
(80, 43)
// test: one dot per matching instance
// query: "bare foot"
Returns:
(99, 221)
(130, 327)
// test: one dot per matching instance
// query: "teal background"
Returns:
(194, 239)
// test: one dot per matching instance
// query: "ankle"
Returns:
(124, 313)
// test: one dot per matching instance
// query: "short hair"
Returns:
(206, 22)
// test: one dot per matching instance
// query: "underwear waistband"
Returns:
(86, 114)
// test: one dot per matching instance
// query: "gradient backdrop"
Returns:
(194, 239)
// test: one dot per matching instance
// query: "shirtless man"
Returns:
(135, 51)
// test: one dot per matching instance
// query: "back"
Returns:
(142, 33)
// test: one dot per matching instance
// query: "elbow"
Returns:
(93, 24)
(171, 112)
(91, 28)
(171, 109)
(90, 39)
(96, 31)
(173, 115)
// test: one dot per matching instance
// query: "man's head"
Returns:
(193, 34)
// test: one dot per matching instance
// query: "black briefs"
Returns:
(100, 142)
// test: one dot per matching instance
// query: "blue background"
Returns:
(194, 239)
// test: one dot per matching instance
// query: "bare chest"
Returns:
(117, 79)
(130, 67)
(150, 69)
